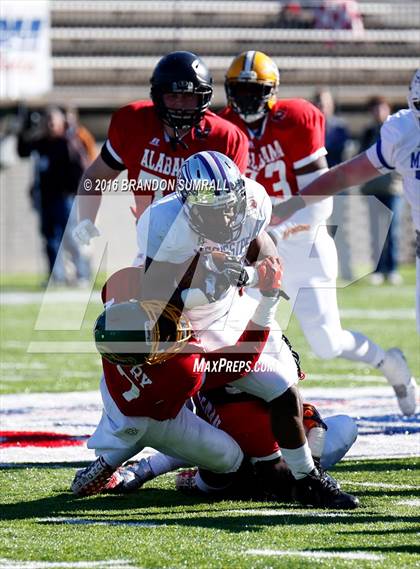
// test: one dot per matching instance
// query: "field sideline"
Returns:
(43, 527)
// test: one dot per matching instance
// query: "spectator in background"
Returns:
(75, 128)
(338, 144)
(387, 189)
(60, 161)
(338, 15)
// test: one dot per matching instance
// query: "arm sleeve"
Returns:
(243, 356)
(112, 151)
(309, 139)
(381, 154)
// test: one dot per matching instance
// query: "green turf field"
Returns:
(158, 527)
(22, 371)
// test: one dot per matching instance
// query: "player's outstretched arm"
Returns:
(354, 172)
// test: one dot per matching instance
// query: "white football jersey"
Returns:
(398, 148)
(164, 234)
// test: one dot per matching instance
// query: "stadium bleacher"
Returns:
(104, 50)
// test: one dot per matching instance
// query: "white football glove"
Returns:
(84, 232)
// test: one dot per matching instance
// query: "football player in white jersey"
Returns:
(397, 148)
(216, 209)
(226, 212)
(286, 139)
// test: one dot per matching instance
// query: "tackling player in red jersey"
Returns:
(151, 139)
(287, 152)
(149, 372)
(149, 357)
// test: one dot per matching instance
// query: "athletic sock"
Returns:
(161, 463)
(299, 460)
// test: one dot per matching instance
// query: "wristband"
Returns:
(265, 313)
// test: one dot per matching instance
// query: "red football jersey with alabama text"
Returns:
(137, 142)
(292, 136)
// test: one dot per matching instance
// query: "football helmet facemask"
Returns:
(134, 333)
(413, 97)
(212, 190)
(251, 83)
(181, 72)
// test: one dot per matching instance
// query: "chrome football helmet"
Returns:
(212, 190)
(413, 97)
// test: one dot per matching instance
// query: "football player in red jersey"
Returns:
(150, 369)
(150, 139)
(149, 358)
(286, 139)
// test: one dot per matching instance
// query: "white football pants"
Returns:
(310, 273)
(118, 438)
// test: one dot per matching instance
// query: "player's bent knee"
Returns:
(340, 437)
(325, 343)
(227, 461)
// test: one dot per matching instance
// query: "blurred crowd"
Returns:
(60, 149)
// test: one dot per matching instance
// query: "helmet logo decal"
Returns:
(182, 87)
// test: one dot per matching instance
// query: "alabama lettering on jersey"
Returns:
(137, 142)
(292, 136)
(398, 148)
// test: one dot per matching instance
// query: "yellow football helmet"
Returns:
(251, 84)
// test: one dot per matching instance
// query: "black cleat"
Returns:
(320, 490)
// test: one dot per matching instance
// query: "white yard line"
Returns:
(317, 554)
(88, 522)
(17, 365)
(49, 297)
(272, 512)
(75, 296)
(386, 314)
(384, 485)
(346, 377)
(114, 563)
(411, 503)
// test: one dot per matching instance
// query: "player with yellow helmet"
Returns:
(251, 85)
(286, 153)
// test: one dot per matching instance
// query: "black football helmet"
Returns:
(181, 72)
(134, 333)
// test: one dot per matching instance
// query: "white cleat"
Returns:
(395, 369)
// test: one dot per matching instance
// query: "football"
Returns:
(205, 272)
